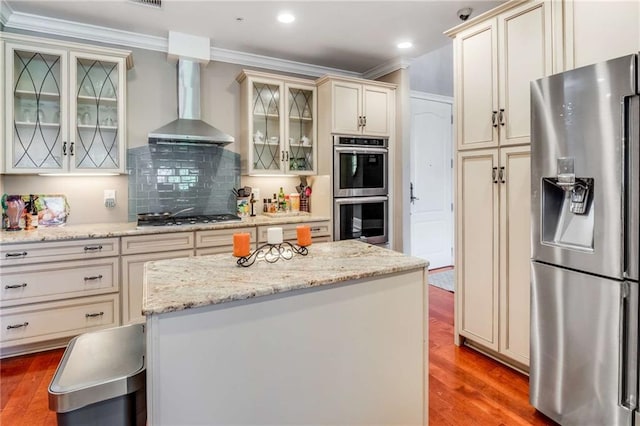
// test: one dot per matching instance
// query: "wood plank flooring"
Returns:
(465, 388)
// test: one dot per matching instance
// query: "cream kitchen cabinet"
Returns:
(279, 125)
(136, 251)
(493, 245)
(52, 291)
(64, 106)
(218, 241)
(596, 31)
(355, 106)
(320, 232)
(494, 61)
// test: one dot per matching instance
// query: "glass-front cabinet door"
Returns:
(97, 113)
(36, 105)
(64, 108)
(266, 127)
(301, 129)
(279, 134)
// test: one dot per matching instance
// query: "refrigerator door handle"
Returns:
(628, 375)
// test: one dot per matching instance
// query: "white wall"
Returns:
(433, 72)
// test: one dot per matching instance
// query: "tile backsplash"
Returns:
(167, 178)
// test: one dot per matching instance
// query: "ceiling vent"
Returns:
(151, 3)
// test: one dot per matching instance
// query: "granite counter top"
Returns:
(179, 284)
(106, 230)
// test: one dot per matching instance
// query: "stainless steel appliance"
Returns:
(360, 192)
(363, 218)
(177, 220)
(584, 288)
(360, 166)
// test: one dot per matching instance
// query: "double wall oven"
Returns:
(360, 192)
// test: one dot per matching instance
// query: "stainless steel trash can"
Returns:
(101, 379)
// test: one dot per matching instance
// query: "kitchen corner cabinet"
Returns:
(494, 61)
(65, 107)
(279, 125)
(493, 245)
(358, 107)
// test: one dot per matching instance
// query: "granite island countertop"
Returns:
(107, 230)
(179, 284)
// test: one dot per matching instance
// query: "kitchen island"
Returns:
(335, 337)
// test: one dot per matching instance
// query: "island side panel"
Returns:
(353, 353)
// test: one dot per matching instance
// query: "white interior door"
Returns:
(432, 179)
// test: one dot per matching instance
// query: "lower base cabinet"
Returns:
(132, 284)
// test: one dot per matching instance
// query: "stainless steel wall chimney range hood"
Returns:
(189, 128)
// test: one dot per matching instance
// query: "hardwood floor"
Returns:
(465, 388)
(24, 383)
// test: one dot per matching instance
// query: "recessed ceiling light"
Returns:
(286, 18)
(405, 45)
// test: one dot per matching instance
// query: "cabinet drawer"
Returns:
(318, 229)
(221, 237)
(45, 321)
(53, 251)
(157, 242)
(59, 280)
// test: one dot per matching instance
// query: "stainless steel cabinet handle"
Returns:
(12, 286)
(493, 175)
(501, 175)
(493, 118)
(24, 324)
(92, 248)
(93, 278)
(96, 314)
(501, 117)
(23, 254)
(64, 148)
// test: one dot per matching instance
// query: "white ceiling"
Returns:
(353, 36)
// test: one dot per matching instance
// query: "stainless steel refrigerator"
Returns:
(584, 288)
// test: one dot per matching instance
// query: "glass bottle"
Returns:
(282, 206)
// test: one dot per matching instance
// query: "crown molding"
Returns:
(60, 27)
(64, 28)
(275, 64)
(386, 68)
(5, 12)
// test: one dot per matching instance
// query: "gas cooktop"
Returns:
(190, 220)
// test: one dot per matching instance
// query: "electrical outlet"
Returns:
(110, 198)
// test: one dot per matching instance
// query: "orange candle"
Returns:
(241, 244)
(304, 236)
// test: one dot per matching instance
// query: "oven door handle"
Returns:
(360, 149)
(360, 200)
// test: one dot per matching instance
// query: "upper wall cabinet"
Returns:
(596, 31)
(494, 62)
(358, 108)
(279, 125)
(65, 107)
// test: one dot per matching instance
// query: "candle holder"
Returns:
(271, 253)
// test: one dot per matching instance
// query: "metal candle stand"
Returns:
(272, 253)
